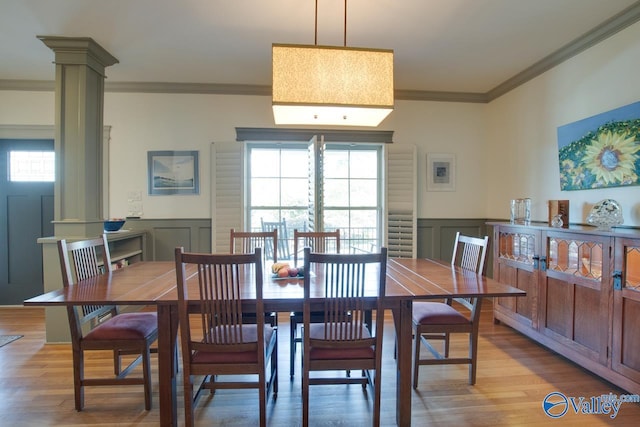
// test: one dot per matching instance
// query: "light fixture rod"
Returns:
(345, 23)
(315, 41)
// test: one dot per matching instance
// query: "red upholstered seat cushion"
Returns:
(321, 353)
(125, 326)
(249, 335)
(437, 313)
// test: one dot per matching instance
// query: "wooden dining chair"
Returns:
(343, 341)
(246, 242)
(433, 320)
(284, 252)
(98, 327)
(319, 242)
(216, 342)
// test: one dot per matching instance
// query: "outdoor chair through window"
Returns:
(284, 253)
(245, 242)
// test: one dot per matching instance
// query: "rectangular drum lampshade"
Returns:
(328, 85)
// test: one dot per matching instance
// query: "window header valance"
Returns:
(354, 136)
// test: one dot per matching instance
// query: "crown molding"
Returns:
(427, 95)
(28, 85)
(228, 89)
(615, 24)
(197, 88)
(257, 90)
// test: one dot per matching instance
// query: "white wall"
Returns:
(454, 128)
(522, 125)
(26, 108)
(142, 122)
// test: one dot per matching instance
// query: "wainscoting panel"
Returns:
(165, 240)
(436, 237)
(165, 234)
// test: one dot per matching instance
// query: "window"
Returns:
(351, 194)
(32, 166)
(278, 190)
(396, 175)
(278, 185)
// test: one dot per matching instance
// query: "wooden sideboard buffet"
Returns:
(583, 294)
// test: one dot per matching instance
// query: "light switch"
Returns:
(134, 196)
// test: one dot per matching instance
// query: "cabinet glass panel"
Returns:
(632, 268)
(575, 257)
(517, 246)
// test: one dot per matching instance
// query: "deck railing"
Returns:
(352, 240)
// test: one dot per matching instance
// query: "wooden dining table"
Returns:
(154, 283)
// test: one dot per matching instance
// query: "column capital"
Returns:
(79, 51)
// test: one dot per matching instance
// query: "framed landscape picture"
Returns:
(441, 172)
(173, 172)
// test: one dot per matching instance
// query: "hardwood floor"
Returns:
(514, 376)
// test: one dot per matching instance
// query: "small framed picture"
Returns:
(173, 172)
(441, 172)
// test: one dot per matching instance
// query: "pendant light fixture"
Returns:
(331, 85)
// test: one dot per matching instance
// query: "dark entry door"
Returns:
(26, 212)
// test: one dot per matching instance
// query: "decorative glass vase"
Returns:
(605, 214)
(521, 211)
(556, 221)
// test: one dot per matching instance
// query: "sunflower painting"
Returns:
(601, 151)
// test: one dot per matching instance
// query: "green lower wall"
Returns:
(165, 234)
(435, 236)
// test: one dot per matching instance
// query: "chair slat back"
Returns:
(85, 260)
(284, 251)
(318, 241)
(82, 260)
(344, 278)
(470, 252)
(220, 280)
(246, 242)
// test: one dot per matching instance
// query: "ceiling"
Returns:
(455, 46)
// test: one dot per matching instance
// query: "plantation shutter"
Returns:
(401, 195)
(316, 151)
(227, 192)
